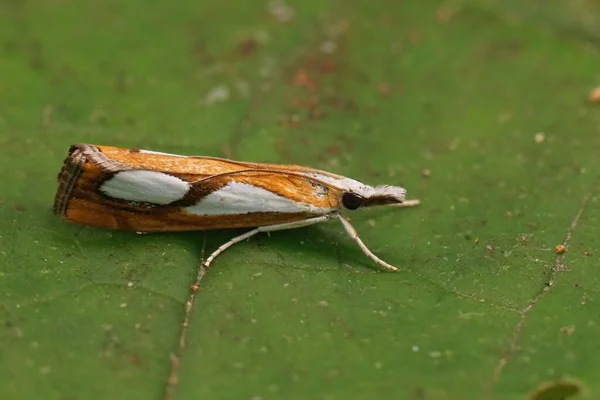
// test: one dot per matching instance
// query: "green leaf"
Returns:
(479, 108)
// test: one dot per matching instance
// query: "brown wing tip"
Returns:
(68, 175)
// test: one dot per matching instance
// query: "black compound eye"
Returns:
(351, 201)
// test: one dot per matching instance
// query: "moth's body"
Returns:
(148, 191)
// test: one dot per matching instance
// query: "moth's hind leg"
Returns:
(268, 228)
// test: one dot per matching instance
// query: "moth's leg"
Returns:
(352, 233)
(268, 228)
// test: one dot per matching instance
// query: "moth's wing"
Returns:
(201, 165)
(127, 189)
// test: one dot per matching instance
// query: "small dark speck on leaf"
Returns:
(308, 103)
(316, 113)
(302, 78)
(135, 360)
(444, 14)
(10, 46)
(384, 88)
(568, 330)
(341, 104)
(20, 208)
(36, 56)
(247, 46)
(419, 393)
(333, 150)
(415, 36)
(328, 65)
(200, 50)
(122, 81)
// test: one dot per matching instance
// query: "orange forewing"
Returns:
(197, 165)
(87, 167)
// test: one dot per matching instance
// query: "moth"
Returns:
(148, 191)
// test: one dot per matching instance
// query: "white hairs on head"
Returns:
(396, 192)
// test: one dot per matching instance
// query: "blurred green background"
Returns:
(479, 108)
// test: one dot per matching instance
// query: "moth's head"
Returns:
(367, 196)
